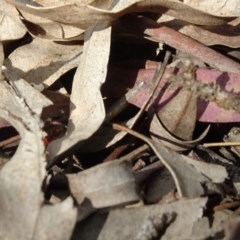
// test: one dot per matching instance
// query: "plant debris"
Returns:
(119, 119)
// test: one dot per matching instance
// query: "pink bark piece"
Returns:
(164, 34)
(210, 112)
(122, 79)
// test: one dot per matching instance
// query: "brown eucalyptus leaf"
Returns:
(78, 14)
(28, 161)
(22, 176)
(44, 28)
(220, 8)
(178, 10)
(87, 110)
(215, 172)
(187, 179)
(4, 123)
(225, 35)
(35, 100)
(203, 228)
(11, 27)
(56, 221)
(82, 15)
(43, 61)
(160, 134)
(106, 185)
(48, 3)
(179, 114)
(96, 3)
(129, 223)
(187, 173)
(158, 186)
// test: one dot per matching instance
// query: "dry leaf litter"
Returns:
(119, 119)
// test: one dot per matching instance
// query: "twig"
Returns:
(116, 152)
(157, 79)
(221, 144)
(10, 140)
(135, 153)
(122, 103)
(136, 134)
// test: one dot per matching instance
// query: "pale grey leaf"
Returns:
(106, 185)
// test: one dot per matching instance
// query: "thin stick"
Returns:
(9, 141)
(135, 153)
(123, 102)
(157, 79)
(158, 75)
(221, 144)
(136, 134)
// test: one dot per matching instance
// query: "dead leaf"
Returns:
(11, 27)
(106, 185)
(115, 31)
(160, 134)
(219, 8)
(204, 227)
(43, 64)
(179, 114)
(22, 176)
(83, 15)
(215, 172)
(44, 28)
(159, 184)
(225, 35)
(56, 221)
(187, 179)
(16, 188)
(110, 226)
(87, 110)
